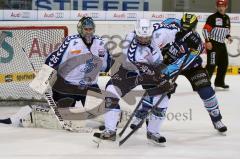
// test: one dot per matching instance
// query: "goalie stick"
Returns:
(122, 141)
(65, 126)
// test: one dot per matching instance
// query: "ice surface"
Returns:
(190, 135)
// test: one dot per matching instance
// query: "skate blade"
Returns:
(99, 142)
(219, 89)
(151, 142)
(222, 133)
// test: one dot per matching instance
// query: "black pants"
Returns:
(198, 77)
(66, 94)
(218, 56)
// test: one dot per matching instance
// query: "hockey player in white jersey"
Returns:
(77, 63)
(142, 49)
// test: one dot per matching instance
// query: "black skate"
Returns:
(155, 138)
(220, 126)
(106, 135)
(135, 123)
(221, 87)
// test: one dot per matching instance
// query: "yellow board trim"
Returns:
(232, 70)
(16, 77)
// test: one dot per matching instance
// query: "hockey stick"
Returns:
(158, 102)
(51, 102)
(132, 115)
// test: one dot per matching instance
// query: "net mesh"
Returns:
(20, 49)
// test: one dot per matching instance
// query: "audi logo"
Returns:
(131, 15)
(95, 15)
(59, 15)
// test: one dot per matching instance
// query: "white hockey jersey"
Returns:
(162, 35)
(77, 63)
(135, 52)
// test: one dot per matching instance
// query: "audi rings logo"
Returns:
(59, 15)
(113, 42)
(25, 14)
(132, 15)
(236, 45)
(95, 15)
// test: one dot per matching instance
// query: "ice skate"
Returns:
(106, 135)
(155, 138)
(220, 126)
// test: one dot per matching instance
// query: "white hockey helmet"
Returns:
(143, 30)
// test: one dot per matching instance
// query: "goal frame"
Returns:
(23, 101)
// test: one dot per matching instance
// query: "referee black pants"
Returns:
(218, 56)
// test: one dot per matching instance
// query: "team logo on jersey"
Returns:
(89, 66)
(101, 52)
(219, 21)
(75, 43)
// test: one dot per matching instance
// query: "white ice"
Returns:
(194, 138)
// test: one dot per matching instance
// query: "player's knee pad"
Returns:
(199, 79)
(147, 104)
(159, 112)
(111, 103)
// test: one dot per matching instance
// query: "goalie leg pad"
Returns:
(41, 117)
(22, 113)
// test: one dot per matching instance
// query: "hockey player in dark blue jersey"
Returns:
(187, 41)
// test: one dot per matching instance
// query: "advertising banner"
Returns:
(1, 14)
(93, 5)
(54, 15)
(19, 15)
(120, 15)
(96, 15)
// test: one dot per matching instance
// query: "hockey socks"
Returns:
(210, 101)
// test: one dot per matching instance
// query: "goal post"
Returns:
(15, 70)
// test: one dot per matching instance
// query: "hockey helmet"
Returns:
(222, 3)
(189, 21)
(174, 21)
(143, 30)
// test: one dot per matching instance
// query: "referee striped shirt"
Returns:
(217, 27)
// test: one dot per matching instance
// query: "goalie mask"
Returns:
(86, 28)
(143, 30)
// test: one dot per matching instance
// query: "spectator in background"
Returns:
(215, 31)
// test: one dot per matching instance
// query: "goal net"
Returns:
(18, 46)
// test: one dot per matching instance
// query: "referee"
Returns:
(215, 31)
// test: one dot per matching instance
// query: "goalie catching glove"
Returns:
(44, 79)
